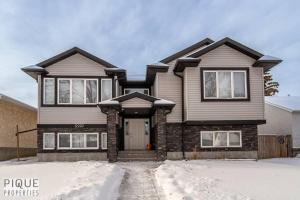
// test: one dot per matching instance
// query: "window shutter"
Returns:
(103, 140)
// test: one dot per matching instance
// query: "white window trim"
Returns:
(84, 91)
(44, 91)
(102, 144)
(117, 87)
(58, 134)
(231, 84)
(102, 86)
(227, 132)
(136, 88)
(77, 148)
(91, 79)
(44, 141)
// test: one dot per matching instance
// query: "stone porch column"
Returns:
(112, 149)
(161, 117)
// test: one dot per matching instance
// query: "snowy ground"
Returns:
(67, 180)
(231, 180)
(139, 181)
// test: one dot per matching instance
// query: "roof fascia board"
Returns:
(71, 52)
(231, 43)
(183, 52)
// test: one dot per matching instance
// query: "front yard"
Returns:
(66, 180)
(198, 179)
(231, 180)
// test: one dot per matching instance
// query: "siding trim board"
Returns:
(202, 69)
(225, 122)
(71, 125)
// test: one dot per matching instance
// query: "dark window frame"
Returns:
(202, 69)
(70, 77)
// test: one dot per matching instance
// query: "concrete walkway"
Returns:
(139, 181)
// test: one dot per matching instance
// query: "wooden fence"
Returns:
(274, 146)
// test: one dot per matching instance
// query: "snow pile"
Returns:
(182, 180)
(68, 180)
(274, 179)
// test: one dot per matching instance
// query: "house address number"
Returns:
(79, 125)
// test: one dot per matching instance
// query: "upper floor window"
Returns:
(77, 91)
(225, 84)
(106, 89)
(140, 90)
(48, 96)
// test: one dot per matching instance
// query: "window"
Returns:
(106, 89)
(221, 139)
(48, 91)
(103, 140)
(235, 138)
(225, 84)
(64, 141)
(92, 140)
(140, 90)
(91, 91)
(78, 141)
(77, 91)
(48, 141)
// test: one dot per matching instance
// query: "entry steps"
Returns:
(136, 155)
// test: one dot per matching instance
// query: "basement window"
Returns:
(48, 141)
(78, 141)
(221, 139)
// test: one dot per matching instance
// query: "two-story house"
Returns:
(202, 102)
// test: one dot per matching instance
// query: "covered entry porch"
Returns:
(136, 122)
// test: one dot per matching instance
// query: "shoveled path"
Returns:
(139, 181)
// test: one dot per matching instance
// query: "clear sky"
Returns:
(134, 33)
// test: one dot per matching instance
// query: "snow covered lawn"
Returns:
(67, 180)
(274, 179)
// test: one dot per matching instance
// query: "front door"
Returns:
(136, 134)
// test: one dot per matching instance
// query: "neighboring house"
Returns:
(13, 113)
(283, 118)
(204, 101)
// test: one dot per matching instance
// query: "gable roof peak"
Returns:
(72, 52)
(231, 43)
(205, 41)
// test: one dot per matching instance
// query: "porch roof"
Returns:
(135, 104)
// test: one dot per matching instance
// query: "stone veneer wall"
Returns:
(100, 129)
(192, 137)
(174, 137)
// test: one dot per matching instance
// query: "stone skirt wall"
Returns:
(187, 137)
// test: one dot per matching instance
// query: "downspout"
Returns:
(182, 113)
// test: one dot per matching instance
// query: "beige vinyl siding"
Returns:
(76, 65)
(169, 88)
(279, 121)
(136, 103)
(224, 56)
(71, 115)
(296, 129)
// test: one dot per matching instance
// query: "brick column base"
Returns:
(112, 150)
(161, 135)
